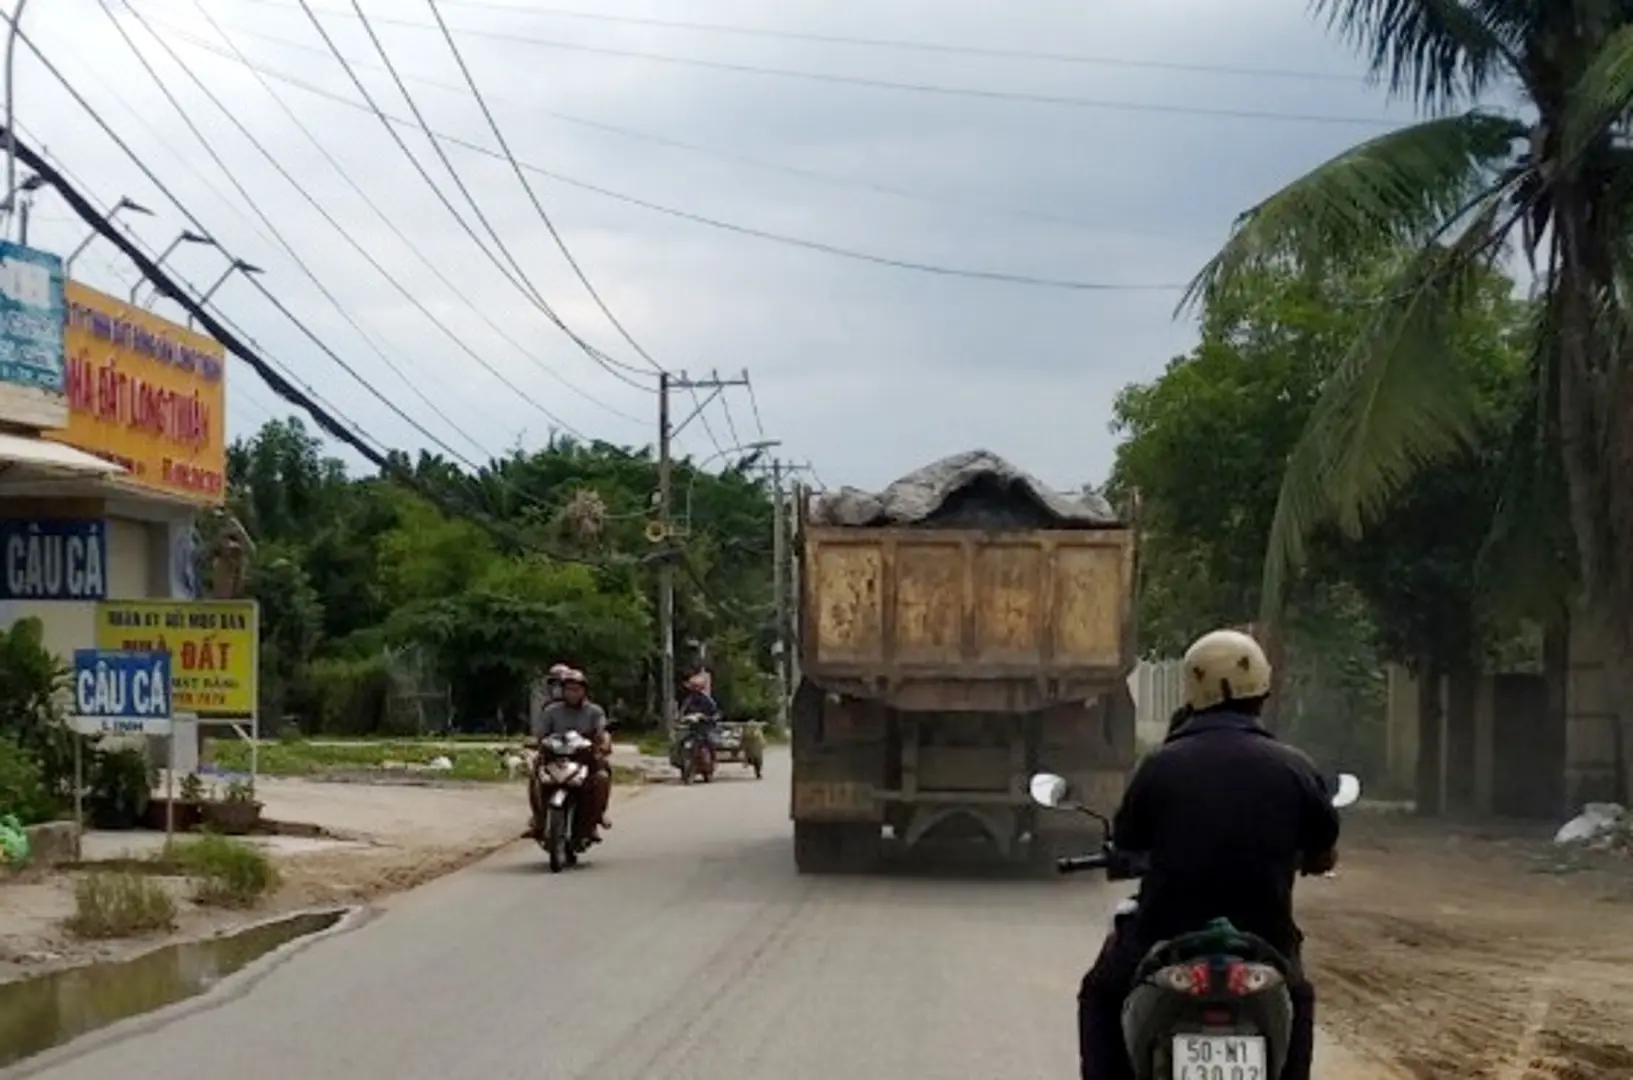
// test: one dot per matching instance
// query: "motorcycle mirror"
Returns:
(1349, 790)
(1049, 790)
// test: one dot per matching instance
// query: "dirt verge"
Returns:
(1454, 953)
(405, 836)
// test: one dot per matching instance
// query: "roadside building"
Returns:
(110, 445)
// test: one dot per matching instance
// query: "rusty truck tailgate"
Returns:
(963, 606)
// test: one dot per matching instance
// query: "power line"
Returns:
(385, 219)
(249, 200)
(504, 146)
(187, 302)
(457, 339)
(708, 429)
(904, 44)
(166, 285)
(836, 250)
(931, 89)
(754, 403)
(934, 198)
(132, 239)
(520, 280)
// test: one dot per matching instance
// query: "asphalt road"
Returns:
(686, 948)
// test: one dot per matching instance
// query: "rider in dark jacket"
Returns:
(698, 700)
(1224, 817)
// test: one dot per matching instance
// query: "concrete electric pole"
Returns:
(664, 533)
(779, 588)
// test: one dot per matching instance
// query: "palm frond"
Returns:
(1438, 52)
(1394, 190)
(1527, 565)
(1601, 96)
(1398, 402)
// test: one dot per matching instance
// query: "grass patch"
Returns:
(120, 905)
(391, 757)
(227, 873)
(397, 756)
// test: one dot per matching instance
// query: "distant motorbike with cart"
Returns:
(699, 744)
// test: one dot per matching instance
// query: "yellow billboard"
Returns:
(147, 394)
(213, 647)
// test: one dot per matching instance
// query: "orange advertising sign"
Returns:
(145, 393)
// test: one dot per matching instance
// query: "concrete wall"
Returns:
(1503, 752)
(1400, 732)
(1590, 720)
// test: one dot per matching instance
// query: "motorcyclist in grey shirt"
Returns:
(575, 712)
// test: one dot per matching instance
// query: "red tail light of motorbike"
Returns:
(1186, 978)
(1242, 979)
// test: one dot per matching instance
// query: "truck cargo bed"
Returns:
(953, 619)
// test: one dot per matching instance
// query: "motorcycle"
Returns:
(1209, 1005)
(563, 765)
(694, 749)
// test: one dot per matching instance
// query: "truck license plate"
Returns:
(1219, 1057)
(827, 798)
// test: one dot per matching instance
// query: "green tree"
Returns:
(1206, 446)
(486, 577)
(1550, 179)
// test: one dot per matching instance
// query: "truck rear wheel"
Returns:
(829, 848)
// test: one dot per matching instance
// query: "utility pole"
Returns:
(664, 533)
(779, 588)
(666, 568)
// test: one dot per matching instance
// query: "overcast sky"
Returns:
(865, 370)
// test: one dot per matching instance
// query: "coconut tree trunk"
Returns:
(1595, 425)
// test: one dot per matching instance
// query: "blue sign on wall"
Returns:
(53, 560)
(32, 316)
(122, 685)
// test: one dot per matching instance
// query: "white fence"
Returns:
(1158, 688)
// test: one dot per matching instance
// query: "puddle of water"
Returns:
(49, 1010)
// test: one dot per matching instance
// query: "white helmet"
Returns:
(1226, 665)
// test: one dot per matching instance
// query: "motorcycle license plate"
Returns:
(1220, 1057)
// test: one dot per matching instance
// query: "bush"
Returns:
(121, 786)
(230, 873)
(344, 697)
(120, 905)
(29, 680)
(22, 784)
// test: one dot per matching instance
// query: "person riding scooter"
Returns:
(1224, 818)
(575, 712)
(699, 698)
(699, 702)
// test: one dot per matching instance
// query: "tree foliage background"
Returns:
(1206, 448)
(385, 611)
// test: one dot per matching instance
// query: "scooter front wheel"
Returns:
(556, 838)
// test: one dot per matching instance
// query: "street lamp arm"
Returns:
(16, 21)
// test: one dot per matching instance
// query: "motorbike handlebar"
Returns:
(1073, 864)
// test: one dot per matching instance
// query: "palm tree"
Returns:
(1551, 180)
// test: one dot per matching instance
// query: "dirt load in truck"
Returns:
(958, 631)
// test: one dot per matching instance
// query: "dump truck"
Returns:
(956, 633)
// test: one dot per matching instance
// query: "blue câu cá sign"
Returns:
(122, 692)
(53, 560)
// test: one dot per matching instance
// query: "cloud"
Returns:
(865, 370)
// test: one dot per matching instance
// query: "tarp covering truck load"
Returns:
(958, 632)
